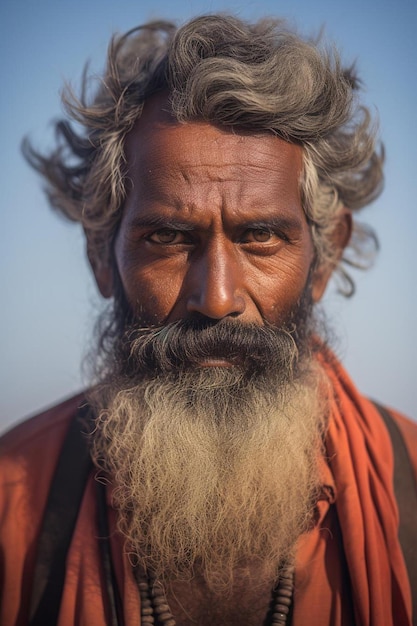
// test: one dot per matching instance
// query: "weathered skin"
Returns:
(213, 224)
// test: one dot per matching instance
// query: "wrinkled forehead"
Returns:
(158, 139)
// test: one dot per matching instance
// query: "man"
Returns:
(222, 469)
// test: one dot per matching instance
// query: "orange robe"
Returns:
(349, 568)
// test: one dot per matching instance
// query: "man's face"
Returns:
(213, 225)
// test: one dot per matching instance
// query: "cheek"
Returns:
(278, 287)
(151, 294)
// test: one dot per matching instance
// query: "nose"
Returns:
(215, 283)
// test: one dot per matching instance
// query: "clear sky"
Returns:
(49, 302)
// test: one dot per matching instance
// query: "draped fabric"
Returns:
(349, 567)
(360, 459)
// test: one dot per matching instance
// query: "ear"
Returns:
(340, 238)
(102, 270)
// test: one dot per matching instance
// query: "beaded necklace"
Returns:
(155, 608)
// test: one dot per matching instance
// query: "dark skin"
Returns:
(213, 226)
(247, 605)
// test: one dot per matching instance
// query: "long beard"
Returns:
(213, 467)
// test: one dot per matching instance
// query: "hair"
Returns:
(255, 77)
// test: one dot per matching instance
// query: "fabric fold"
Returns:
(361, 460)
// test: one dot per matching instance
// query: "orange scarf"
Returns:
(361, 463)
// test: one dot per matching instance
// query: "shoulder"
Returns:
(28, 456)
(408, 429)
(40, 430)
(29, 452)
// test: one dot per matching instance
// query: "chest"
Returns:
(244, 609)
(248, 603)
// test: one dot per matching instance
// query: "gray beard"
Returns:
(216, 467)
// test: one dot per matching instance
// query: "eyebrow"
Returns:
(159, 221)
(275, 223)
(285, 223)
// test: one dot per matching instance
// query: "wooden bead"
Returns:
(281, 608)
(146, 603)
(162, 610)
(164, 617)
(147, 610)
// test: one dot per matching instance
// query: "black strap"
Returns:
(65, 495)
(116, 617)
(405, 488)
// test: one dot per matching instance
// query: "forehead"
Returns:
(164, 155)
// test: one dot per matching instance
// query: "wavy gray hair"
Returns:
(217, 68)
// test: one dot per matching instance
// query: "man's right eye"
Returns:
(167, 236)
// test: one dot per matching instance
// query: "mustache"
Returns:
(185, 344)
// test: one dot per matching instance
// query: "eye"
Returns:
(258, 235)
(167, 236)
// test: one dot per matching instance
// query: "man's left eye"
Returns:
(258, 235)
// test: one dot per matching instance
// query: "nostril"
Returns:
(212, 307)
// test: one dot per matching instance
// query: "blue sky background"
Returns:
(49, 301)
